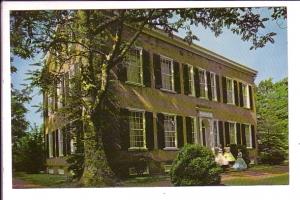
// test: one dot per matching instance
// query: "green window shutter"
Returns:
(227, 136)
(146, 69)
(63, 131)
(46, 145)
(221, 134)
(122, 72)
(241, 94)
(157, 71)
(160, 131)
(236, 93)
(55, 98)
(186, 79)
(197, 82)
(125, 139)
(203, 137)
(208, 85)
(218, 88)
(224, 89)
(179, 130)
(149, 130)
(238, 133)
(253, 136)
(177, 77)
(243, 135)
(251, 97)
(188, 121)
(56, 143)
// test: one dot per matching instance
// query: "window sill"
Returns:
(134, 83)
(137, 149)
(170, 149)
(167, 90)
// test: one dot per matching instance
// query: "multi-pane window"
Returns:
(191, 80)
(203, 83)
(216, 133)
(60, 143)
(134, 66)
(213, 86)
(245, 96)
(248, 136)
(167, 73)
(170, 131)
(230, 91)
(194, 130)
(232, 133)
(137, 129)
(50, 144)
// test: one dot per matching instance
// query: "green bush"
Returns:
(195, 165)
(234, 150)
(272, 157)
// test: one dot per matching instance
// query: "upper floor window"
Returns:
(230, 90)
(203, 83)
(191, 80)
(167, 73)
(170, 131)
(245, 91)
(248, 136)
(213, 86)
(137, 129)
(134, 65)
(232, 133)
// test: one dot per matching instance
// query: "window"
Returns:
(73, 145)
(50, 104)
(50, 144)
(60, 143)
(216, 133)
(203, 83)
(167, 73)
(137, 129)
(59, 94)
(170, 131)
(248, 136)
(134, 66)
(230, 91)
(232, 133)
(245, 91)
(213, 86)
(194, 130)
(191, 80)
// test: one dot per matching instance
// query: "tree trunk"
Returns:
(96, 169)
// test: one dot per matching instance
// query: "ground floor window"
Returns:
(137, 129)
(194, 130)
(248, 136)
(216, 133)
(232, 133)
(170, 131)
(60, 143)
(50, 144)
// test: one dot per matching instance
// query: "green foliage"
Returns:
(76, 165)
(195, 165)
(29, 153)
(234, 150)
(272, 113)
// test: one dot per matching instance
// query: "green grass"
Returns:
(44, 180)
(282, 179)
(147, 181)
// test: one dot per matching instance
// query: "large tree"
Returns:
(272, 123)
(103, 43)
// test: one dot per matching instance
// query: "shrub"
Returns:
(234, 150)
(272, 157)
(195, 165)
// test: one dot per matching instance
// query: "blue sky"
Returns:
(270, 61)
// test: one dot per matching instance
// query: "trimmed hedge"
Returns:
(195, 165)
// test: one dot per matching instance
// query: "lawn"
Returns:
(256, 175)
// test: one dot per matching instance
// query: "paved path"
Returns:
(21, 184)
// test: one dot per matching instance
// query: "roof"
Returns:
(197, 49)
